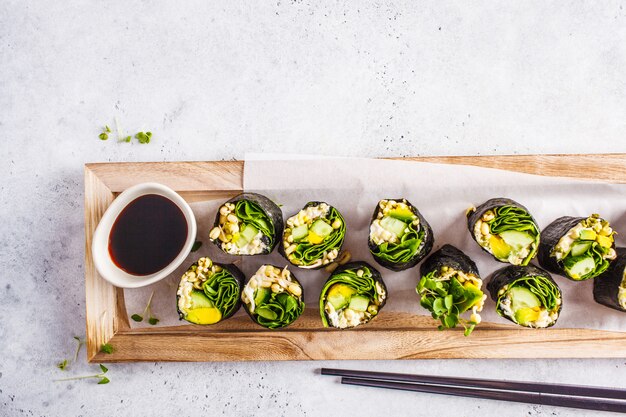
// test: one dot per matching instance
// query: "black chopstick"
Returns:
(586, 403)
(543, 388)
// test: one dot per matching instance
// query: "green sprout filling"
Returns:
(364, 285)
(403, 251)
(222, 289)
(278, 310)
(517, 219)
(250, 212)
(448, 299)
(307, 253)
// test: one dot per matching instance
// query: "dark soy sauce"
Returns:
(147, 235)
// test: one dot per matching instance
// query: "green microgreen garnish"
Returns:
(146, 312)
(100, 376)
(143, 137)
(103, 136)
(63, 365)
(106, 348)
(196, 246)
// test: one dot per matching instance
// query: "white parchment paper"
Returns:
(442, 193)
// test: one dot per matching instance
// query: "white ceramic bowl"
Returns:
(100, 243)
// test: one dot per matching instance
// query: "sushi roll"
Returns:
(248, 224)
(526, 295)
(576, 247)
(449, 286)
(313, 237)
(399, 236)
(609, 288)
(353, 295)
(505, 229)
(209, 293)
(273, 297)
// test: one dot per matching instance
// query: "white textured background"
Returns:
(215, 79)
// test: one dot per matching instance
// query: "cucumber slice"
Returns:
(522, 298)
(241, 241)
(339, 295)
(392, 225)
(261, 296)
(199, 300)
(300, 232)
(249, 232)
(321, 228)
(359, 303)
(587, 234)
(579, 248)
(517, 239)
(578, 267)
(402, 214)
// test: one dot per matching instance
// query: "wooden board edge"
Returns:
(104, 303)
(396, 344)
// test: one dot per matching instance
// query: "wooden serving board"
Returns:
(393, 335)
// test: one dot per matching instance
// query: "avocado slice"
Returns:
(403, 214)
(472, 295)
(579, 266)
(393, 225)
(209, 315)
(579, 248)
(587, 234)
(339, 295)
(517, 239)
(522, 297)
(526, 315)
(499, 247)
(300, 232)
(604, 241)
(199, 300)
(321, 228)
(261, 295)
(359, 303)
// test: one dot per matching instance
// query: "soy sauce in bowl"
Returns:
(147, 235)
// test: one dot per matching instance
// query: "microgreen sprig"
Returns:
(147, 311)
(102, 379)
(65, 363)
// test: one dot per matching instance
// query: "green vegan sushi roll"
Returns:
(576, 247)
(353, 295)
(609, 288)
(505, 229)
(248, 224)
(273, 297)
(526, 295)
(399, 236)
(450, 285)
(209, 293)
(313, 237)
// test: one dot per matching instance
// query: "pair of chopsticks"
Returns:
(573, 396)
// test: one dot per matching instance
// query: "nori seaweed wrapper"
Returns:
(606, 285)
(509, 274)
(375, 276)
(336, 244)
(239, 278)
(294, 314)
(550, 237)
(424, 248)
(451, 257)
(272, 211)
(492, 204)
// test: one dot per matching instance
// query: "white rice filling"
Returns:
(308, 215)
(266, 277)
(379, 234)
(254, 247)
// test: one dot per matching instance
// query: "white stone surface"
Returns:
(215, 79)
